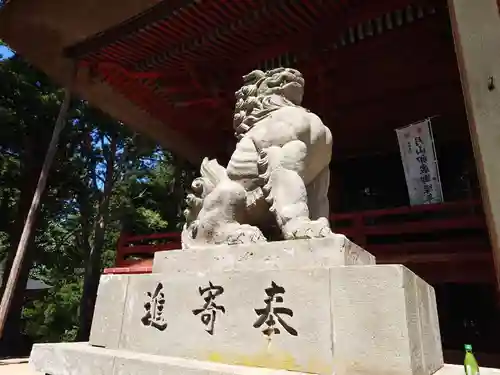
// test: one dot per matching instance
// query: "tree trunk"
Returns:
(93, 267)
(20, 267)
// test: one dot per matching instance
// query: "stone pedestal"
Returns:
(316, 306)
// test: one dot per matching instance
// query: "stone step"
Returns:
(83, 359)
(326, 252)
(343, 319)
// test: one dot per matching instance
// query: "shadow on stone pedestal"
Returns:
(311, 306)
(15, 345)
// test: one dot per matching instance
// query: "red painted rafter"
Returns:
(180, 119)
(226, 41)
(194, 21)
(232, 40)
(187, 23)
(336, 18)
(221, 32)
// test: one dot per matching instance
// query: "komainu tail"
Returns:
(212, 173)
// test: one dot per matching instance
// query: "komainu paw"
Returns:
(237, 234)
(305, 228)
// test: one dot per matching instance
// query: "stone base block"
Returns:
(83, 359)
(376, 319)
(325, 252)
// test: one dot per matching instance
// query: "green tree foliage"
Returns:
(104, 179)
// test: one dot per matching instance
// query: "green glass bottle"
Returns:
(470, 363)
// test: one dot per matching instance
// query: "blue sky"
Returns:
(5, 52)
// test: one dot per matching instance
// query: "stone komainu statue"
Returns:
(276, 184)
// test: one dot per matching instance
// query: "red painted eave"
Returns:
(183, 67)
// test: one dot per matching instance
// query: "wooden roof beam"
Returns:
(162, 10)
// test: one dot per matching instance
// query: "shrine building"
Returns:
(169, 69)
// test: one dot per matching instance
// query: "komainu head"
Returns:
(264, 92)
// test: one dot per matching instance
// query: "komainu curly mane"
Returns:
(261, 94)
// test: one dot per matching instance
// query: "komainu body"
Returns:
(275, 185)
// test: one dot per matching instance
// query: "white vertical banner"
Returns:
(418, 155)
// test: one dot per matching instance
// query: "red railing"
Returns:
(134, 254)
(442, 243)
(424, 219)
(453, 231)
